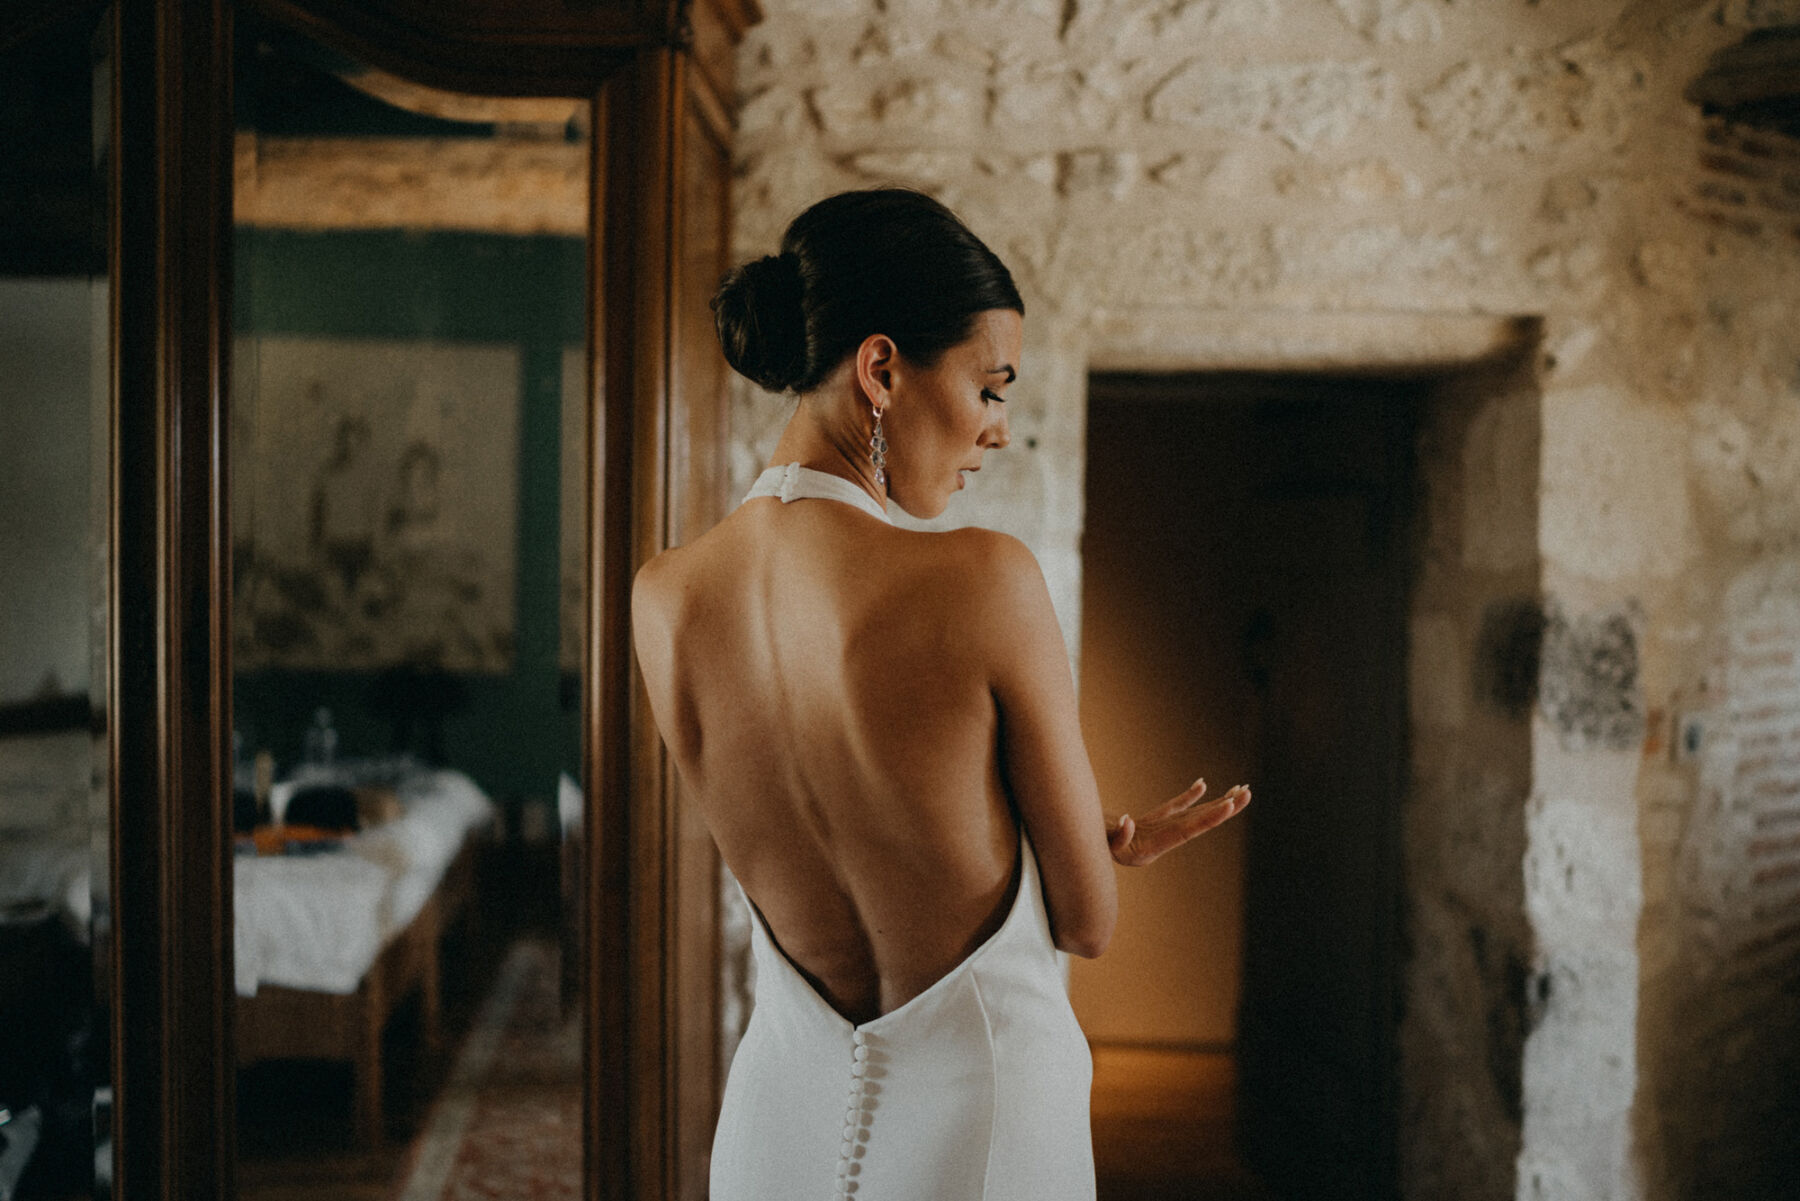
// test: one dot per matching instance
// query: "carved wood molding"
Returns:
(487, 47)
(170, 668)
(632, 1097)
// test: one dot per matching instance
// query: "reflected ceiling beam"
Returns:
(494, 185)
(552, 118)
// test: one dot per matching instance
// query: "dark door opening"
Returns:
(1246, 561)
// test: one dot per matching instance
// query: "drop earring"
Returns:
(878, 452)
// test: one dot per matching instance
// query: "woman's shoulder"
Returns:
(661, 586)
(968, 565)
(672, 571)
(989, 557)
(655, 578)
(981, 567)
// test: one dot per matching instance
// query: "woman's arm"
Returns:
(1042, 756)
(1046, 766)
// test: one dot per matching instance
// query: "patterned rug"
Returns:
(508, 1123)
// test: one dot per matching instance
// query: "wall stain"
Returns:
(1588, 685)
(1507, 655)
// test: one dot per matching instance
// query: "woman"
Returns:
(880, 728)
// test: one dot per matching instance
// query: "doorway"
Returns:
(1245, 577)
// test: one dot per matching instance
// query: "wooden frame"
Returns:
(170, 665)
(626, 1059)
(649, 888)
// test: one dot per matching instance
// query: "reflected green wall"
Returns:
(515, 731)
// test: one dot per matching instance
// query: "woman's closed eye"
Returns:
(990, 394)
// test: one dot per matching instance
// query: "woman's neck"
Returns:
(827, 437)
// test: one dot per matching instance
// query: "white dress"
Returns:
(976, 1088)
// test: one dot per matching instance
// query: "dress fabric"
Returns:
(977, 1088)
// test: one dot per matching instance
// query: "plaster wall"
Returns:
(45, 536)
(1286, 184)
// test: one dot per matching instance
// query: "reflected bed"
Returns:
(329, 944)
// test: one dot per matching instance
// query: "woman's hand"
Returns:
(1136, 842)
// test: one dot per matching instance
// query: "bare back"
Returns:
(824, 685)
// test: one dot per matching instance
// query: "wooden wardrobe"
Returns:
(658, 77)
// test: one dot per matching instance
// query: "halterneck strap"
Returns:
(792, 482)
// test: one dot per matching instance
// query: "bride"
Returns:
(880, 728)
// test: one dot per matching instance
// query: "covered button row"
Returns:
(853, 1115)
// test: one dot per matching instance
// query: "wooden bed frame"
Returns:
(291, 1023)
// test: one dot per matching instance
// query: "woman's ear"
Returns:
(875, 362)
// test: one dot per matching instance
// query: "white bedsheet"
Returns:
(317, 922)
(51, 869)
(313, 922)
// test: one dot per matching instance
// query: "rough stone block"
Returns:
(1132, 28)
(1306, 105)
(1615, 500)
(1533, 103)
(1402, 21)
(927, 104)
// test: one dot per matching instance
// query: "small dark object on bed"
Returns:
(327, 806)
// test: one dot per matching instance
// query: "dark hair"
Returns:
(887, 261)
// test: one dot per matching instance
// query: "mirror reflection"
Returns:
(407, 480)
(54, 404)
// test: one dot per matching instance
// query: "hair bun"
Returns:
(760, 314)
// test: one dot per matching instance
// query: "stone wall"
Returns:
(1469, 992)
(1719, 1036)
(1602, 927)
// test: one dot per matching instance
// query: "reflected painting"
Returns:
(376, 515)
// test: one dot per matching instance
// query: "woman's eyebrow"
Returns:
(1007, 368)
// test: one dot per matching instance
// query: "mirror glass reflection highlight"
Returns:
(408, 474)
(55, 379)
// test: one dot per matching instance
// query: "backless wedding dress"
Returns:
(977, 1088)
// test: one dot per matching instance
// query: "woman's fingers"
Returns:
(1153, 839)
(1176, 804)
(1204, 817)
(1198, 821)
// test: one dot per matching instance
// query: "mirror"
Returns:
(408, 474)
(55, 378)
